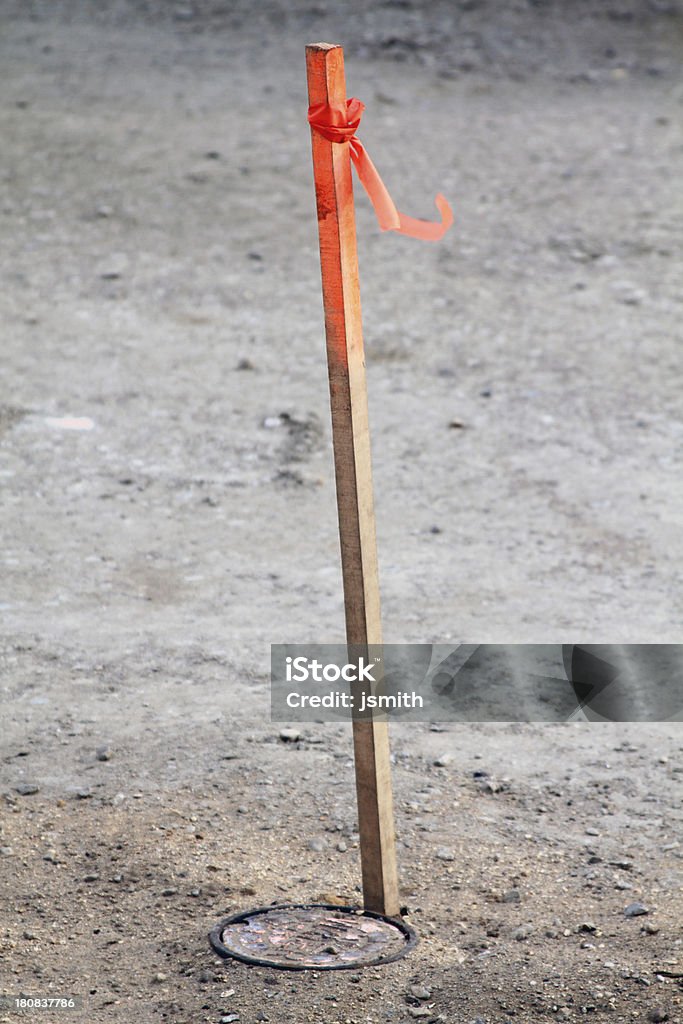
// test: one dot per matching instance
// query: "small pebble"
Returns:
(316, 845)
(169, 892)
(444, 853)
(511, 896)
(421, 1011)
(159, 977)
(635, 910)
(30, 936)
(659, 1016)
(229, 1018)
(587, 926)
(420, 992)
(289, 735)
(650, 928)
(341, 846)
(113, 267)
(26, 788)
(443, 761)
(523, 932)
(103, 753)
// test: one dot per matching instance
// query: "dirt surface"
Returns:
(161, 286)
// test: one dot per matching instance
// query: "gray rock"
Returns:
(512, 896)
(26, 788)
(30, 936)
(113, 267)
(635, 910)
(443, 760)
(341, 846)
(420, 992)
(444, 853)
(229, 1018)
(103, 753)
(624, 865)
(289, 735)
(659, 1016)
(523, 932)
(316, 845)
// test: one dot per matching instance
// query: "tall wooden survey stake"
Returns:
(351, 438)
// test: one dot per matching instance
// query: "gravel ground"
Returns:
(161, 286)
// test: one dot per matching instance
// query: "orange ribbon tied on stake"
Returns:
(339, 125)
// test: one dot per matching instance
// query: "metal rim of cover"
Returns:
(409, 938)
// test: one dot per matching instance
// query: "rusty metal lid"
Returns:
(314, 936)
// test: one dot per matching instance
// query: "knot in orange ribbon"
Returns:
(339, 125)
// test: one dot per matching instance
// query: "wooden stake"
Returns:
(351, 438)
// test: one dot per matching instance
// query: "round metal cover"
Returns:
(315, 936)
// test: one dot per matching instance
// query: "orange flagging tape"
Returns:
(339, 125)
